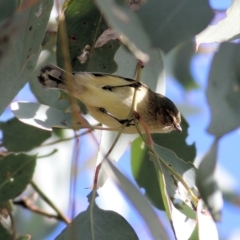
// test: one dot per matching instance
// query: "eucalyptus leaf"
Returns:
(96, 223)
(207, 228)
(138, 201)
(225, 30)
(31, 24)
(41, 116)
(84, 25)
(207, 184)
(16, 171)
(182, 63)
(223, 91)
(125, 22)
(170, 22)
(19, 137)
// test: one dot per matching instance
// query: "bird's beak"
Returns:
(178, 127)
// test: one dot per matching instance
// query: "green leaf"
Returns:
(18, 136)
(144, 173)
(207, 183)
(31, 24)
(84, 25)
(223, 92)
(7, 8)
(96, 223)
(177, 142)
(16, 171)
(170, 22)
(41, 116)
(4, 233)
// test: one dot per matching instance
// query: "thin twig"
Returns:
(25, 203)
(50, 203)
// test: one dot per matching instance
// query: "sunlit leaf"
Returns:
(224, 30)
(207, 228)
(41, 116)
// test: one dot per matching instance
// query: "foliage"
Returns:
(109, 36)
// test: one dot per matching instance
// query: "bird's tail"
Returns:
(52, 76)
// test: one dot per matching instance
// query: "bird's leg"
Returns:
(138, 72)
(130, 122)
(134, 85)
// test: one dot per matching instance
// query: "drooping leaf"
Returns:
(177, 142)
(225, 30)
(16, 171)
(206, 226)
(96, 223)
(138, 201)
(223, 92)
(207, 183)
(30, 24)
(20, 137)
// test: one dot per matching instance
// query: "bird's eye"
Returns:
(170, 119)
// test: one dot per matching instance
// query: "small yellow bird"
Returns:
(108, 99)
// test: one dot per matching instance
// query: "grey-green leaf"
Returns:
(223, 91)
(170, 22)
(96, 223)
(41, 116)
(16, 171)
(31, 25)
(20, 137)
(207, 184)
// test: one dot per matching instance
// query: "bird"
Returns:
(109, 98)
